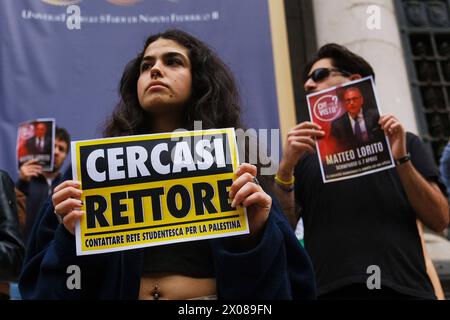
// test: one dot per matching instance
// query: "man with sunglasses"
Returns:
(361, 233)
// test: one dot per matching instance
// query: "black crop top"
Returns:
(192, 259)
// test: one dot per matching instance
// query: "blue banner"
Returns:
(51, 69)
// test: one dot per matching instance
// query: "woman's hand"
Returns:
(66, 200)
(246, 191)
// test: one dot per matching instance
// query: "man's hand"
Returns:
(29, 170)
(395, 131)
(300, 139)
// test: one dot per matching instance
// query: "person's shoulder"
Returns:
(410, 135)
(339, 121)
(4, 176)
(371, 112)
(416, 147)
(341, 117)
(412, 138)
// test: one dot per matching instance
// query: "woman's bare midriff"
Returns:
(169, 286)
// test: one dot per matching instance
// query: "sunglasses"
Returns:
(323, 73)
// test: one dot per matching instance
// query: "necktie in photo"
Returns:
(40, 145)
(358, 132)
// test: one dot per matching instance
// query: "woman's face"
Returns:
(165, 82)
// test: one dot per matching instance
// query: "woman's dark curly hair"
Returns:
(214, 99)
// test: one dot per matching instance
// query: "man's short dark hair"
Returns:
(341, 58)
(63, 135)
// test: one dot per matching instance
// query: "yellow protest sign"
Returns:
(150, 190)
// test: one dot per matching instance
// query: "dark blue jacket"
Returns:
(277, 268)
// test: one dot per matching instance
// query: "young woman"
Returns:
(175, 81)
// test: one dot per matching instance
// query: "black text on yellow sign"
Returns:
(157, 189)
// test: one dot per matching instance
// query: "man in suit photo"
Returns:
(40, 143)
(359, 124)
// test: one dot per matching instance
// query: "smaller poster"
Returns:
(354, 143)
(35, 140)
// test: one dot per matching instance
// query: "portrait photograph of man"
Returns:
(359, 124)
(35, 142)
(354, 143)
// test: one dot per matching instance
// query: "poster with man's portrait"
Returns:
(35, 140)
(354, 143)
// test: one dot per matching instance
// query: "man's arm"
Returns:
(424, 196)
(287, 201)
(300, 139)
